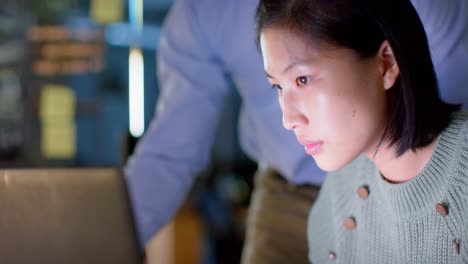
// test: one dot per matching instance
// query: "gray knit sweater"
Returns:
(424, 220)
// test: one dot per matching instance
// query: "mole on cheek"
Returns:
(354, 113)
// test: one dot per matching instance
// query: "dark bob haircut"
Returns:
(416, 114)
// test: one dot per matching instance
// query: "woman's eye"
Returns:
(303, 80)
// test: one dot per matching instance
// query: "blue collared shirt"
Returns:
(203, 42)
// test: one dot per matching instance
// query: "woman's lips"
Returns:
(312, 147)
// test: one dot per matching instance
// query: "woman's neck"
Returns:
(405, 167)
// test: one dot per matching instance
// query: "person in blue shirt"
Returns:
(204, 42)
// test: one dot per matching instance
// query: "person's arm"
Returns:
(446, 26)
(177, 144)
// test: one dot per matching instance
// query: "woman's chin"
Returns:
(329, 165)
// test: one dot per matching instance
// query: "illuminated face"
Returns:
(332, 100)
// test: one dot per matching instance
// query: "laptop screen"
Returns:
(66, 216)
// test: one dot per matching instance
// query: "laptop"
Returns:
(66, 216)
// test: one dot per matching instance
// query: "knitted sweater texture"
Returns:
(396, 223)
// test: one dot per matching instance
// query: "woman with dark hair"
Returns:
(356, 85)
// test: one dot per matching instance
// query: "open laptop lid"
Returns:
(66, 216)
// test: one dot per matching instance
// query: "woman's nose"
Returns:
(293, 118)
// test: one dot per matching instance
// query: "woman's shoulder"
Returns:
(461, 119)
(464, 134)
(454, 140)
(457, 196)
(464, 120)
(454, 151)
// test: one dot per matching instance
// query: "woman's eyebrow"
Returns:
(289, 67)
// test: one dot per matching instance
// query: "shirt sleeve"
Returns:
(177, 144)
(446, 26)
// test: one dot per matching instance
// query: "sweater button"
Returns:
(441, 209)
(457, 246)
(332, 255)
(363, 191)
(350, 223)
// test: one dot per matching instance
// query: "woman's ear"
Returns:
(390, 69)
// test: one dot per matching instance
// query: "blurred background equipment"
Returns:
(78, 87)
(12, 58)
